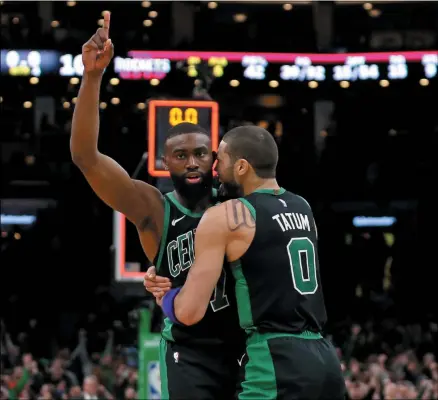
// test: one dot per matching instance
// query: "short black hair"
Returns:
(184, 128)
(256, 145)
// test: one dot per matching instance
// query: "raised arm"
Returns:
(136, 199)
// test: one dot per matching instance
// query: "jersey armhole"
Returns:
(249, 206)
(314, 222)
(164, 234)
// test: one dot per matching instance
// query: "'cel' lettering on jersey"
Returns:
(180, 253)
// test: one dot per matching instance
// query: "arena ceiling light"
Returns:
(240, 17)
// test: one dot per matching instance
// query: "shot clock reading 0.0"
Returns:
(144, 65)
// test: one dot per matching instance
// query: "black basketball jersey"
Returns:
(278, 286)
(174, 259)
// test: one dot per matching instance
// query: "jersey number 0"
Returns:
(302, 259)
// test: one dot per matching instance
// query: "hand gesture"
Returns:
(98, 51)
(157, 285)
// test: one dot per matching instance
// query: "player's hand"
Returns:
(155, 284)
(159, 300)
(98, 51)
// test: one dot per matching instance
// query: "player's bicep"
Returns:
(115, 187)
(210, 244)
(211, 234)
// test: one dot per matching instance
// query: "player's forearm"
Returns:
(182, 308)
(189, 308)
(85, 124)
(194, 298)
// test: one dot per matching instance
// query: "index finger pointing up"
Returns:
(106, 20)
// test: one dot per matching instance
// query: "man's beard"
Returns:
(193, 192)
(229, 190)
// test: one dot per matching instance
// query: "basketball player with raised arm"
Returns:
(269, 237)
(197, 362)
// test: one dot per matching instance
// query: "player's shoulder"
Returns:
(238, 215)
(304, 202)
(213, 221)
(297, 199)
(234, 213)
(216, 211)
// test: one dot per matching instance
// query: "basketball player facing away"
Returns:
(270, 238)
(197, 362)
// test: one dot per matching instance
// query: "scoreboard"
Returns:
(321, 67)
(164, 114)
(288, 66)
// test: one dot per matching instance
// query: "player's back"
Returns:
(281, 305)
(278, 285)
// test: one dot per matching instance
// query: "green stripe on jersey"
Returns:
(242, 297)
(163, 370)
(257, 337)
(275, 192)
(260, 380)
(166, 333)
(183, 209)
(249, 206)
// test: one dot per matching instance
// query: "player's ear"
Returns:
(163, 159)
(242, 166)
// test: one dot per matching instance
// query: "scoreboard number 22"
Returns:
(178, 116)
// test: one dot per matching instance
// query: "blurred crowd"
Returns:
(390, 361)
(381, 361)
(65, 373)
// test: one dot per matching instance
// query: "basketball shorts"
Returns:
(197, 372)
(290, 368)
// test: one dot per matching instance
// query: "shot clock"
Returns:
(165, 114)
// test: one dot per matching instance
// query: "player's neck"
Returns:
(259, 183)
(195, 205)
